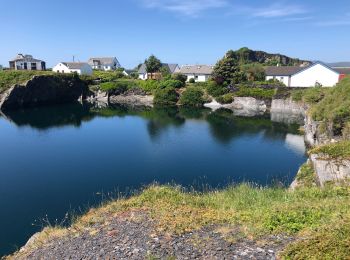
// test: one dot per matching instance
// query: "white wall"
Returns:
(61, 68)
(317, 73)
(201, 78)
(142, 76)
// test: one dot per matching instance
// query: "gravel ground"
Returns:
(133, 235)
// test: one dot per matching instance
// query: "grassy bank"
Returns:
(9, 78)
(318, 219)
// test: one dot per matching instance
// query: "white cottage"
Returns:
(317, 73)
(106, 63)
(200, 73)
(26, 62)
(73, 67)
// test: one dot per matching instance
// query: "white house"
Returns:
(26, 62)
(106, 63)
(200, 73)
(71, 67)
(173, 68)
(317, 73)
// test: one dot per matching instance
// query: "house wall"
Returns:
(19, 65)
(61, 68)
(201, 78)
(283, 79)
(318, 73)
(142, 76)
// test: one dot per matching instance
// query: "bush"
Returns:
(171, 83)
(165, 97)
(179, 77)
(333, 105)
(216, 90)
(148, 86)
(225, 99)
(193, 97)
(192, 81)
(108, 76)
(119, 86)
(255, 92)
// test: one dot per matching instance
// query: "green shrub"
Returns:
(225, 99)
(332, 106)
(216, 90)
(297, 95)
(165, 97)
(171, 83)
(119, 86)
(193, 97)
(108, 76)
(148, 86)
(180, 77)
(313, 95)
(192, 81)
(260, 93)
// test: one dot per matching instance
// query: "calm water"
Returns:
(58, 159)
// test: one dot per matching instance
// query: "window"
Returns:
(33, 66)
(282, 78)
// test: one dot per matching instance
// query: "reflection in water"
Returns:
(296, 143)
(224, 124)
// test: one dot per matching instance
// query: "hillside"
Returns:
(246, 55)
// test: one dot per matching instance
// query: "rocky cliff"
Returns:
(245, 55)
(330, 170)
(42, 90)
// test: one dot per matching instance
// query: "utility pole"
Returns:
(73, 58)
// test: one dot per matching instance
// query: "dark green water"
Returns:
(56, 160)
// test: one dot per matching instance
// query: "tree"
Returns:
(153, 65)
(225, 69)
(253, 71)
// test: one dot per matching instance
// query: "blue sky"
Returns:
(179, 31)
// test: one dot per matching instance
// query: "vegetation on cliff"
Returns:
(9, 78)
(339, 150)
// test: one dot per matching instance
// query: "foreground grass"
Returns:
(10, 77)
(319, 219)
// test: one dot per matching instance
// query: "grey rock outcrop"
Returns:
(43, 90)
(330, 170)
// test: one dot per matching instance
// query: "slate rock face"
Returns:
(44, 90)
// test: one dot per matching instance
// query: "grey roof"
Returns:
(103, 61)
(171, 67)
(339, 64)
(345, 71)
(197, 69)
(292, 70)
(25, 58)
(282, 71)
(75, 65)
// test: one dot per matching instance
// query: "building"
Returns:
(106, 63)
(200, 73)
(317, 73)
(26, 62)
(172, 68)
(81, 68)
(1, 68)
(129, 72)
(343, 68)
